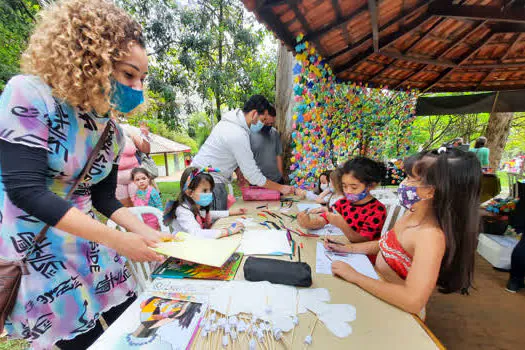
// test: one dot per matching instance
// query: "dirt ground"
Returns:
(489, 318)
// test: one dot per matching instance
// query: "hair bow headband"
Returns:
(196, 172)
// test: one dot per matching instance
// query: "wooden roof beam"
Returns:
(383, 42)
(472, 12)
(463, 60)
(339, 22)
(383, 27)
(515, 41)
(372, 9)
(339, 18)
(459, 42)
(299, 15)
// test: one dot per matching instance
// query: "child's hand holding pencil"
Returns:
(335, 246)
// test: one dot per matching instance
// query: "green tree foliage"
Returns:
(199, 126)
(432, 131)
(211, 49)
(17, 18)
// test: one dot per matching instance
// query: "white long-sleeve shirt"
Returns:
(186, 222)
(227, 148)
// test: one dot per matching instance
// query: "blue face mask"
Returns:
(124, 98)
(257, 127)
(357, 197)
(205, 199)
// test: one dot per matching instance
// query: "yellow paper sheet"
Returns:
(213, 252)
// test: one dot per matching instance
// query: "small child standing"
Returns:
(191, 212)
(146, 195)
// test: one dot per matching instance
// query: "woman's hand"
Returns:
(339, 248)
(239, 211)
(345, 271)
(157, 236)
(135, 247)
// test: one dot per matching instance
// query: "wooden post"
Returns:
(166, 164)
(284, 101)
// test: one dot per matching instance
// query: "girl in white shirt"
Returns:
(191, 212)
(322, 192)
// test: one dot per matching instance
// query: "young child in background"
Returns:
(146, 195)
(322, 193)
(359, 215)
(191, 211)
(434, 242)
(336, 190)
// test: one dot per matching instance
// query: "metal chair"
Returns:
(141, 271)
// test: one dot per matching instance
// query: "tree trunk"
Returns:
(284, 101)
(217, 91)
(497, 132)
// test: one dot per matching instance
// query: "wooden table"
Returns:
(378, 324)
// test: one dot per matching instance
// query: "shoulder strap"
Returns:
(83, 173)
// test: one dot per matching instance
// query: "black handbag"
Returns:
(278, 271)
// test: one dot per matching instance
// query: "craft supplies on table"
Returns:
(265, 242)
(359, 262)
(176, 268)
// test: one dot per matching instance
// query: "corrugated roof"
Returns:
(432, 45)
(159, 144)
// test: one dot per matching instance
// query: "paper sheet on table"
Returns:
(309, 206)
(264, 242)
(359, 262)
(213, 252)
(248, 222)
(328, 230)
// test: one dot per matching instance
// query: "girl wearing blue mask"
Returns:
(434, 242)
(191, 211)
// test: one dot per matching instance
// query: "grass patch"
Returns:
(503, 178)
(13, 344)
(169, 190)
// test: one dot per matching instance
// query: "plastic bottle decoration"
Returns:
(333, 121)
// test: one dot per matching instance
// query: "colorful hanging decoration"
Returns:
(334, 120)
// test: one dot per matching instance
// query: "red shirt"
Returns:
(366, 219)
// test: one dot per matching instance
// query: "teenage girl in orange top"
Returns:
(434, 242)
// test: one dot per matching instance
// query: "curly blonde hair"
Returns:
(74, 47)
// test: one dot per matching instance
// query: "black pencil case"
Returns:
(278, 271)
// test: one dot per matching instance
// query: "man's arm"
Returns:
(280, 164)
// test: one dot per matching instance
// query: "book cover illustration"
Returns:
(176, 268)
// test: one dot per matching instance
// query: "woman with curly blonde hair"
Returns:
(86, 61)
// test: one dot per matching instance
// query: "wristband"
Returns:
(323, 215)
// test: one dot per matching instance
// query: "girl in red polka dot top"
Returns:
(359, 215)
